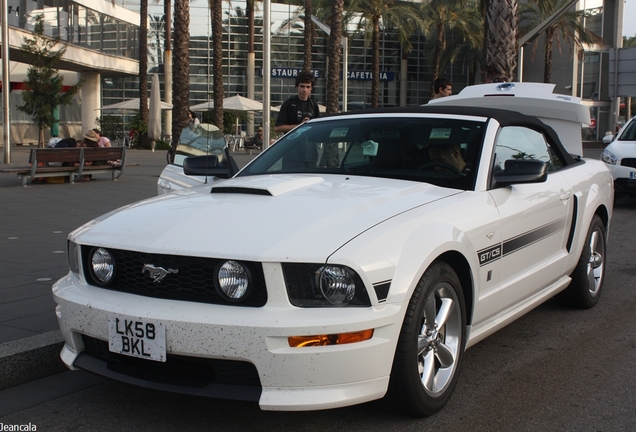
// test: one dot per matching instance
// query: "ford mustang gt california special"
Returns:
(381, 245)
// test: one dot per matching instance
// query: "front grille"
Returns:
(193, 281)
(625, 184)
(629, 162)
(191, 372)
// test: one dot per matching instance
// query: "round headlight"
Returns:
(102, 266)
(336, 284)
(233, 280)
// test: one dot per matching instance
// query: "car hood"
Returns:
(302, 218)
(623, 149)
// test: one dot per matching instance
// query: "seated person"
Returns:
(66, 142)
(258, 138)
(449, 154)
(102, 140)
(90, 140)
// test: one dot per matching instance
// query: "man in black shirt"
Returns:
(300, 108)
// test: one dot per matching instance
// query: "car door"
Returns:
(534, 219)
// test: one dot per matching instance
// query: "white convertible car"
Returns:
(620, 157)
(382, 245)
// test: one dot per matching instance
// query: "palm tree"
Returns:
(155, 35)
(301, 19)
(216, 7)
(143, 70)
(375, 13)
(309, 35)
(467, 40)
(251, 60)
(181, 69)
(334, 55)
(501, 27)
(569, 27)
(439, 16)
(629, 42)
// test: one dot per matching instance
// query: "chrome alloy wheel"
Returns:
(439, 340)
(595, 265)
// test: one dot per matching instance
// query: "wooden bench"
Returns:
(99, 157)
(61, 162)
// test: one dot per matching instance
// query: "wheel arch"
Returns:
(603, 213)
(460, 265)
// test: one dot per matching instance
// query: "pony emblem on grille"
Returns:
(157, 273)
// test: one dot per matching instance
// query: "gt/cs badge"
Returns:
(157, 273)
(488, 255)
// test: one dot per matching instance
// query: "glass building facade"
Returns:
(78, 23)
(286, 58)
(83, 23)
(89, 24)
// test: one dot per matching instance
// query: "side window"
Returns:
(516, 142)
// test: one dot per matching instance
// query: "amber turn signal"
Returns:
(330, 339)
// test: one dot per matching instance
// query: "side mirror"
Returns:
(206, 166)
(521, 171)
(608, 138)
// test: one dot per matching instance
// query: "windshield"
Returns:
(199, 140)
(428, 149)
(629, 133)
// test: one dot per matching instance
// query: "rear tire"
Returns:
(587, 278)
(431, 345)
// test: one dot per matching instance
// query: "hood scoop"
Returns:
(268, 186)
(240, 190)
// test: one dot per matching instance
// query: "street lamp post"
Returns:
(267, 70)
(6, 82)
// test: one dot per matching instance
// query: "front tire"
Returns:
(431, 345)
(587, 278)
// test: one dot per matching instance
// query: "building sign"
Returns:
(367, 75)
(280, 72)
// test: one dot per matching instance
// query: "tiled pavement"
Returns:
(34, 224)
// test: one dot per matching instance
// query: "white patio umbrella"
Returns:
(241, 104)
(154, 112)
(132, 104)
(233, 104)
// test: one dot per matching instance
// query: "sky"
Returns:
(629, 23)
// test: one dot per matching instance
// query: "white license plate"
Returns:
(137, 337)
(632, 175)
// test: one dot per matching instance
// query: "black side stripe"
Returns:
(520, 242)
(495, 252)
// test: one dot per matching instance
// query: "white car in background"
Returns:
(208, 159)
(382, 245)
(620, 157)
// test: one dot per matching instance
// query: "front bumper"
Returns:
(289, 378)
(624, 179)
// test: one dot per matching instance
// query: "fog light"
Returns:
(233, 281)
(102, 266)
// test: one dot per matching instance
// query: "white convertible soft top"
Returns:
(563, 113)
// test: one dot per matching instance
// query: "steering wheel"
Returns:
(434, 164)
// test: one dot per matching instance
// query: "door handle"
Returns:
(565, 195)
